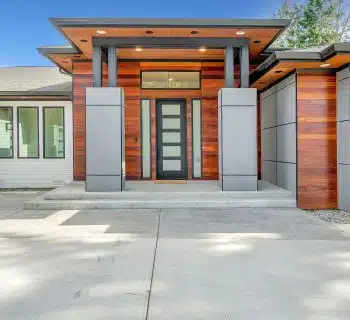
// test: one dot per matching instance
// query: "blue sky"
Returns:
(24, 24)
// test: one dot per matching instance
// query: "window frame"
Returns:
(12, 131)
(64, 132)
(174, 71)
(38, 131)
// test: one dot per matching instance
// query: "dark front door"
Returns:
(171, 139)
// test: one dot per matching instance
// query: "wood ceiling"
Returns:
(81, 37)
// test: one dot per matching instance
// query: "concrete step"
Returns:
(165, 196)
(270, 202)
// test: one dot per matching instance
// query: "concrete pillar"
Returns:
(238, 139)
(104, 139)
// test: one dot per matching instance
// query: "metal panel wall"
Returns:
(343, 138)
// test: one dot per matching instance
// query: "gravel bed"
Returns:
(335, 216)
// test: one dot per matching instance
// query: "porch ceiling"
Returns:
(80, 33)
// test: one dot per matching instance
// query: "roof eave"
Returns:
(164, 23)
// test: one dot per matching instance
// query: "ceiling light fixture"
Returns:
(240, 33)
(101, 31)
(194, 32)
(257, 41)
(202, 49)
(170, 79)
(149, 32)
(138, 49)
(77, 57)
(325, 65)
(83, 40)
(278, 71)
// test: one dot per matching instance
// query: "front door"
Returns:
(171, 139)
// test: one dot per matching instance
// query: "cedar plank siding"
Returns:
(317, 141)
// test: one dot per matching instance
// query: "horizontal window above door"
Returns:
(171, 80)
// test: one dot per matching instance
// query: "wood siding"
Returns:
(316, 141)
(129, 78)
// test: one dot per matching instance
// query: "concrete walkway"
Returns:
(171, 264)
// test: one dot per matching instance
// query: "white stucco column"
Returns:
(237, 116)
(104, 139)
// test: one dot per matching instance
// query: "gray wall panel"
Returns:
(269, 144)
(286, 143)
(286, 102)
(278, 134)
(286, 176)
(343, 98)
(269, 171)
(343, 138)
(237, 139)
(104, 139)
(103, 149)
(268, 112)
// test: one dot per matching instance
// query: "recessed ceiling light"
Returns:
(325, 65)
(149, 32)
(202, 49)
(101, 31)
(257, 41)
(83, 40)
(170, 79)
(138, 49)
(194, 32)
(278, 71)
(240, 33)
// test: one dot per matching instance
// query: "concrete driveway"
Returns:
(171, 264)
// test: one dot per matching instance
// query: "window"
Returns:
(54, 143)
(6, 133)
(171, 80)
(197, 138)
(28, 132)
(146, 138)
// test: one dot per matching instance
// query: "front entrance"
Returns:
(171, 139)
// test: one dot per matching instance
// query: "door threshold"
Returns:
(170, 181)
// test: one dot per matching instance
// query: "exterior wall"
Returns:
(31, 173)
(278, 134)
(317, 141)
(129, 79)
(343, 126)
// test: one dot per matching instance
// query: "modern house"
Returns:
(189, 99)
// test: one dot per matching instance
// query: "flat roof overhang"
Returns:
(281, 63)
(82, 32)
(166, 23)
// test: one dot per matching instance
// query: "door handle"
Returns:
(135, 138)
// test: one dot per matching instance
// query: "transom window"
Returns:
(170, 80)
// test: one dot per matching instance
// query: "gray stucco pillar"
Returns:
(97, 66)
(104, 139)
(238, 139)
(244, 61)
(229, 67)
(112, 66)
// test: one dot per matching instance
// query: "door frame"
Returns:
(159, 102)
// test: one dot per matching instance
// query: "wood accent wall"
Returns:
(316, 141)
(82, 78)
(129, 78)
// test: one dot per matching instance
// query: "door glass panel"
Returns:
(146, 138)
(171, 123)
(171, 151)
(171, 109)
(171, 165)
(172, 137)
